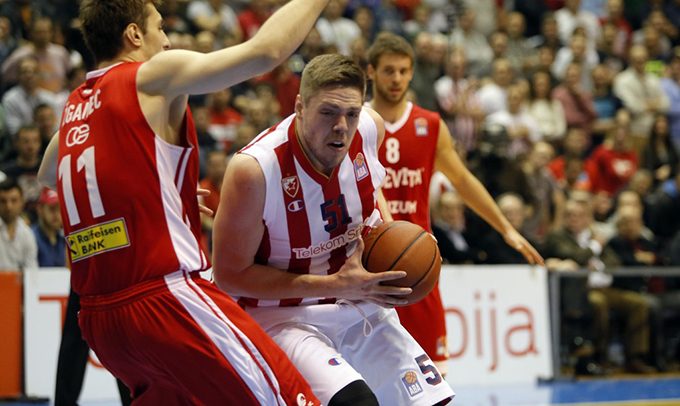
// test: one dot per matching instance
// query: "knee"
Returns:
(356, 393)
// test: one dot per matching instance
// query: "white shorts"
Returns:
(327, 344)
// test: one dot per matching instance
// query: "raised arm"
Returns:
(177, 72)
(475, 195)
(238, 231)
(47, 174)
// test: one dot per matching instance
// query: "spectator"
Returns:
(664, 211)
(520, 126)
(48, 231)
(610, 48)
(335, 29)
(606, 103)
(252, 18)
(658, 53)
(660, 156)
(546, 209)
(661, 31)
(7, 42)
(575, 144)
(53, 59)
(487, 12)
(549, 36)
(520, 53)
(223, 118)
(499, 47)
(477, 49)
(457, 99)
(286, 86)
(576, 53)
(575, 177)
(641, 94)
(579, 109)
(577, 241)
(612, 164)
(217, 17)
(204, 42)
(244, 134)
(572, 16)
(629, 243)
(623, 30)
(365, 19)
(18, 249)
(74, 78)
(548, 113)
(20, 101)
(24, 169)
(493, 96)
(388, 17)
(513, 208)
(427, 69)
(671, 87)
(448, 227)
(45, 120)
(174, 19)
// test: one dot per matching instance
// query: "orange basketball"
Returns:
(404, 246)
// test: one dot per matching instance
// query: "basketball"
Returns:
(404, 246)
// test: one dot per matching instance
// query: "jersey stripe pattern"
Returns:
(312, 222)
(128, 198)
(408, 154)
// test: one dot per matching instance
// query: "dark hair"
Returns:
(9, 184)
(388, 43)
(104, 21)
(331, 70)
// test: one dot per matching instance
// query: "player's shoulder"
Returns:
(418, 113)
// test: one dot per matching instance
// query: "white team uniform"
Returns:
(312, 224)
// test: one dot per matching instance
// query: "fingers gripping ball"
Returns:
(404, 246)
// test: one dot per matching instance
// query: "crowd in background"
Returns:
(568, 111)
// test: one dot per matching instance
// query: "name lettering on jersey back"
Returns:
(326, 246)
(403, 207)
(81, 111)
(403, 177)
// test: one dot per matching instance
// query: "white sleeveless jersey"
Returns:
(312, 222)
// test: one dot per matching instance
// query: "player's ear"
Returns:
(299, 105)
(133, 34)
(370, 71)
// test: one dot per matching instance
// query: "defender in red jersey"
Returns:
(125, 165)
(298, 197)
(417, 143)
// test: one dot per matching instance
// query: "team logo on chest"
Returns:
(421, 127)
(360, 168)
(291, 185)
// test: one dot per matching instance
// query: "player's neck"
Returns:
(389, 111)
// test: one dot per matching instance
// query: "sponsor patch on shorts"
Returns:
(97, 239)
(411, 384)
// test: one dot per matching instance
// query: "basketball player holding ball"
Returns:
(298, 198)
(418, 142)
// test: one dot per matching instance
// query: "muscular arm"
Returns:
(177, 72)
(47, 174)
(475, 195)
(238, 231)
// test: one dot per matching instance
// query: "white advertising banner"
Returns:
(498, 324)
(46, 293)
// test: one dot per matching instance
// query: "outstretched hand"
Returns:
(516, 241)
(354, 282)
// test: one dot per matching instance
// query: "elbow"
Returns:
(268, 55)
(46, 178)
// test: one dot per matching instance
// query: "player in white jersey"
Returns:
(298, 198)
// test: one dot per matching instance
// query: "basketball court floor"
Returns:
(624, 391)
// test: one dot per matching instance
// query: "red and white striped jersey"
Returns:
(128, 198)
(312, 222)
(408, 154)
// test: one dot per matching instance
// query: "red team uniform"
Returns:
(408, 154)
(312, 225)
(146, 312)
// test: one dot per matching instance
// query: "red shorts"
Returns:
(426, 322)
(180, 340)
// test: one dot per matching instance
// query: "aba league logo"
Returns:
(291, 185)
(360, 169)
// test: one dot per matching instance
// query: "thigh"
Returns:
(194, 338)
(316, 357)
(426, 322)
(393, 364)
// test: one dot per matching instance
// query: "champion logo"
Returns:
(334, 361)
(296, 205)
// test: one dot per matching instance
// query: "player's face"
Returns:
(391, 77)
(326, 125)
(155, 40)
